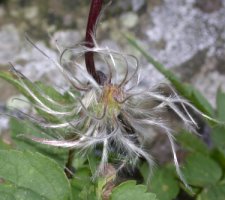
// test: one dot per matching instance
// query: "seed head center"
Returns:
(112, 96)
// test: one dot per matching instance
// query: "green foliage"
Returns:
(32, 173)
(218, 136)
(93, 163)
(220, 102)
(4, 146)
(129, 190)
(192, 143)
(201, 170)
(219, 131)
(82, 186)
(215, 192)
(12, 192)
(164, 184)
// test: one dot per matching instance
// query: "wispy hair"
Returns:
(116, 116)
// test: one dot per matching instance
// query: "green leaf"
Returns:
(200, 170)
(220, 102)
(218, 136)
(145, 172)
(18, 127)
(93, 162)
(185, 90)
(34, 172)
(79, 161)
(190, 191)
(54, 94)
(164, 184)
(192, 143)
(37, 88)
(129, 190)
(82, 186)
(199, 101)
(219, 155)
(11, 192)
(215, 192)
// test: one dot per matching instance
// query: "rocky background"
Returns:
(187, 36)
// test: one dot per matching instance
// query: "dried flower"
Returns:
(117, 114)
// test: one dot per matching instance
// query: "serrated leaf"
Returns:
(215, 192)
(129, 190)
(186, 90)
(10, 192)
(200, 170)
(164, 184)
(34, 172)
(192, 143)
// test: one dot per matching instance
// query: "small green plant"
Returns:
(85, 141)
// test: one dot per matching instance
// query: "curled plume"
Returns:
(116, 116)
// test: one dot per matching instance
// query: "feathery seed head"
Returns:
(111, 95)
(117, 114)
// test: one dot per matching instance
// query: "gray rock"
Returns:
(129, 20)
(208, 83)
(209, 6)
(137, 4)
(68, 38)
(124, 5)
(36, 66)
(2, 11)
(185, 30)
(31, 13)
(4, 123)
(9, 43)
(110, 44)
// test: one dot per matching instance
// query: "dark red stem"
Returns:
(96, 6)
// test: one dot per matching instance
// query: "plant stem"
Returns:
(69, 169)
(95, 9)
